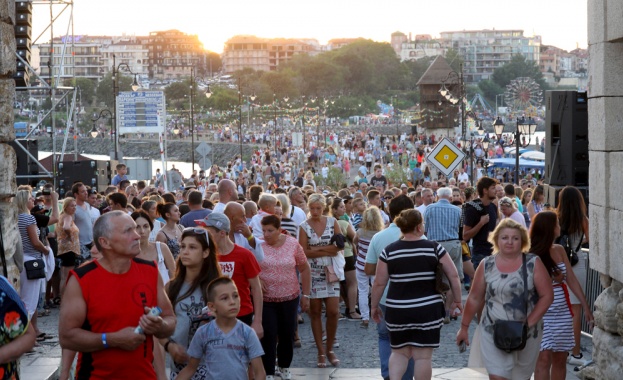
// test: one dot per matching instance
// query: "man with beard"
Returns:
(480, 219)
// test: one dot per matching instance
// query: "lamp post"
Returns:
(252, 97)
(103, 113)
(458, 78)
(523, 127)
(208, 94)
(115, 83)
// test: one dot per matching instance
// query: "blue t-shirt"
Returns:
(226, 356)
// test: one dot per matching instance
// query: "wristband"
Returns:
(306, 295)
(250, 237)
(166, 345)
(104, 341)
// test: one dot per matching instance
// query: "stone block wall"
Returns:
(605, 126)
(8, 163)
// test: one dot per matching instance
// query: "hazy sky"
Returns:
(560, 22)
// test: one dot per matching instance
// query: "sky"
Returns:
(562, 23)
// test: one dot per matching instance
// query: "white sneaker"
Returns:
(270, 377)
(285, 373)
(576, 360)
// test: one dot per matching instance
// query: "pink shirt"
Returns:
(279, 270)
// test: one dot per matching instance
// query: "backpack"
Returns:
(565, 241)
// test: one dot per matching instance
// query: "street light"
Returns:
(240, 115)
(115, 83)
(523, 127)
(103, 113)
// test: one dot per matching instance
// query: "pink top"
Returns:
(279, 270)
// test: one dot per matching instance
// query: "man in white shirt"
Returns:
(427, 199)
(463, 177)
(227, 192)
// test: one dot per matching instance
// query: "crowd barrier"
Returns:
(593, 290)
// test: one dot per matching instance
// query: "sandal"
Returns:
(322, 361)
(333, 359)
(357, 316)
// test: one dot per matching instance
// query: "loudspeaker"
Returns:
(94, 174)
(26, 165)
(566, 134)
(23, 38)
(414, 129)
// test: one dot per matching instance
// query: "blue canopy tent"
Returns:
(510, 163)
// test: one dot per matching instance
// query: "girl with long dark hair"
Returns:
(196, 266)
(558, 324)
(571, 212)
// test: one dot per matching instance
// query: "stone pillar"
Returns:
(8, 162)
(605, 92)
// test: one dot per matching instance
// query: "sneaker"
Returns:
(270, 377)
(285, 373)
(576, 360)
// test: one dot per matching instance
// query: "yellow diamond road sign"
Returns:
(446, 156)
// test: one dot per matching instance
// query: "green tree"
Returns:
(454, 59)
(104, 92)
(86, 87)
(516, 68)
(490, 89)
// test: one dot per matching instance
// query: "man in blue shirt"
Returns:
(377, 245)
(442, 221)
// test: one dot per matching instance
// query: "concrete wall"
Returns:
(605, 92)
(8, 162)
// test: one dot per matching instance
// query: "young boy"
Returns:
(225, 345)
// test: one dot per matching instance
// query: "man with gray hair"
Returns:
(428, 198)
(442, 220)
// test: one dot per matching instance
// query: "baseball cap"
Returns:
(403, 186)
(215, 219)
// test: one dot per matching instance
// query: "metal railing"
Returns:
(593, 290)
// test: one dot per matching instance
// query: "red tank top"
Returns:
(116, 301)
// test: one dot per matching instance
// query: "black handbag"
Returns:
(572, 254)
(512, 335)
(440, 286)
(35, 269)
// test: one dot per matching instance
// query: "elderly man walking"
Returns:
(442, 220)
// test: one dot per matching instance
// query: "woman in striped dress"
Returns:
(558, 324)
(414, 309)
(371, 223)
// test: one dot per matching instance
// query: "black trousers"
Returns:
(278, 321)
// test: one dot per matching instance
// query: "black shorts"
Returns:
(246, 319)
(68, 259)
(350, 263)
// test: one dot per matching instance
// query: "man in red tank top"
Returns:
(107, 299)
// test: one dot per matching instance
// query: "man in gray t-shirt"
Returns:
(82, 218)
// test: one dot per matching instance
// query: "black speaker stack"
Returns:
(566, 133)
(23, 41)
(95, 174)
(26, 166)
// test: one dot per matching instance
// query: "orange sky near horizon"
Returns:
(560, 23)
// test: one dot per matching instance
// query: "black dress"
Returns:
(415, 310)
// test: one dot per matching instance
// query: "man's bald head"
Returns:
(233, 209)
(250, 208)
(227, 191)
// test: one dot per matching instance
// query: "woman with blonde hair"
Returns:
(34, 249)
(498, 290)
(316, 236)
(371, 223)
(309, 179)
(68, 239)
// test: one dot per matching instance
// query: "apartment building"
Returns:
(263, 54)
(79, 56)
(173, 54)
(131, 51)
(485, 50)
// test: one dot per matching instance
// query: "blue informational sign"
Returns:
(141, 112)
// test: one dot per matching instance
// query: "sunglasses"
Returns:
(198, 231)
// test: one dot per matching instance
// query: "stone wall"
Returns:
(8, 162)
(605, 39)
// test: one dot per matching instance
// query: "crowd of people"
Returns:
(210, 281)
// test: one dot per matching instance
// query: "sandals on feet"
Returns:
(333, 359)
(322, 363)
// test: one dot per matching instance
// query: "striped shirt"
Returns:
(363, 242)
(23, 221)
(355, 220)
(442, 221)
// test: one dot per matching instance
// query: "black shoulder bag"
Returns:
(512, 335)
(572, 254)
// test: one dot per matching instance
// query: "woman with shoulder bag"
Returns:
(571, 212)
(558, 325)
(514, 289)
(32, 278)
